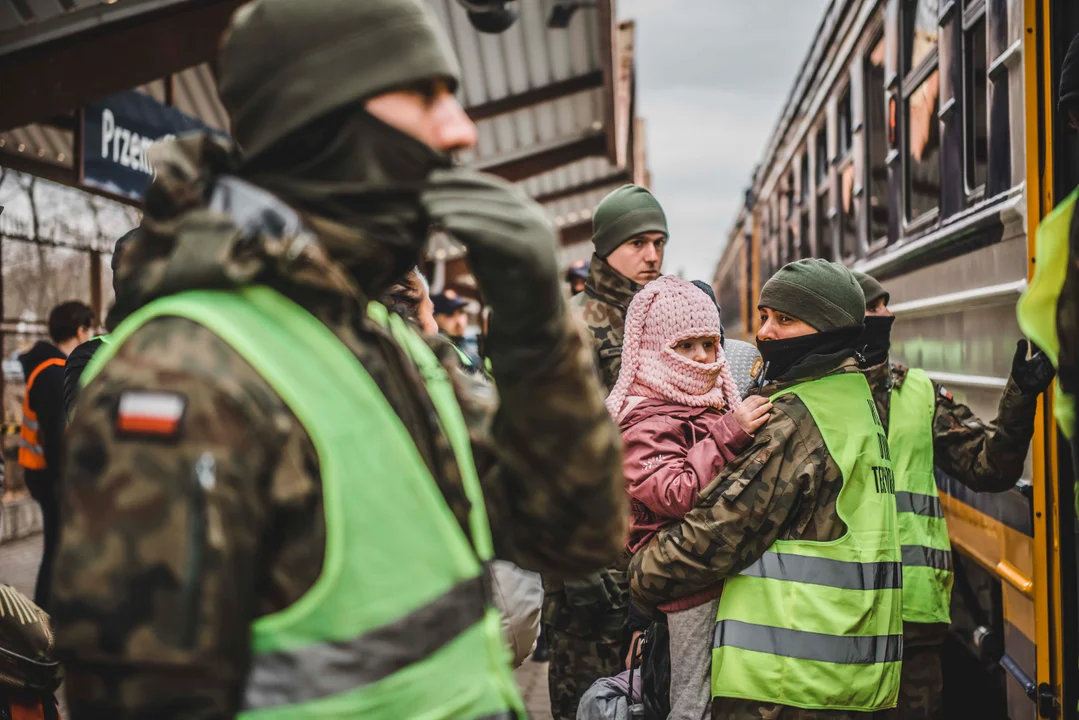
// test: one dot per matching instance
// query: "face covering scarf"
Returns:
(876, 339)
(354, 169)
(782, 356)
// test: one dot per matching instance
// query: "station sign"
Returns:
(119, 131)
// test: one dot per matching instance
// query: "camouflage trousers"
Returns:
(576, 663)
(921, 685)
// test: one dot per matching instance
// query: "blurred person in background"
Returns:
(452, 318)
(576, 277)
(44, 420)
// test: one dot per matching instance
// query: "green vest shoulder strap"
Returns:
(923, 531)
(1037, 309)
(418, 642)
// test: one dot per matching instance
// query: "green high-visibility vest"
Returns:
(398, 624)
(1037, 309)
(818, 625)
(923, 532)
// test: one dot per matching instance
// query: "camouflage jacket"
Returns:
(603, 305)
(152, 606)
(983, 456)
(783, 486)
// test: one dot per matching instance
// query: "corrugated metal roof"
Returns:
(43, 143)
(526, 57)
(194, 92)
(25, 23)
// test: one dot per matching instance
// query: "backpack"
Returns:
(28, 673)
(656, 670)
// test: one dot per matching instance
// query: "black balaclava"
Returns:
(354, 169)
(782, 356)
(876, 340)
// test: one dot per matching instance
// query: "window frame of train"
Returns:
(823, 242)
(846, 210)
(873, 93)
(918, 76)
(975, 20)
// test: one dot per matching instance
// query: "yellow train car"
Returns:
(920, 144)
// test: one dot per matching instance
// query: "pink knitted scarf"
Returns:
(667, 311)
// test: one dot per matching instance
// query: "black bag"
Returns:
(656, 670)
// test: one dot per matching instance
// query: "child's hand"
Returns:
(752, 413)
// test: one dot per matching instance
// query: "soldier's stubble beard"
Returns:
(353, 168)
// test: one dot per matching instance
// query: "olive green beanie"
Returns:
(872, 289)
(822, 294)
(624, 214)
(284, 63)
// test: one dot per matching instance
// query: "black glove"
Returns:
(511, 248)
(1032, 375)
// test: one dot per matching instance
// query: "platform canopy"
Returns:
(554, 106)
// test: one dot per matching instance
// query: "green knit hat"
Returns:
(626, 213)
(284, 63)
(822, 294)
(872, 289)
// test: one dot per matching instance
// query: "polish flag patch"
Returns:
(153, 414)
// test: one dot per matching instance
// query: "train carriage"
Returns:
(920, 144)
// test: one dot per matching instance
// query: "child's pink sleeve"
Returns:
(665, 472)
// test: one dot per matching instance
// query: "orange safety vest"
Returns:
(31, 454)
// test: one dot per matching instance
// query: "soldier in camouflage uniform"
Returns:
(786, 484)
(585, 621)
(986, 457)
(179, 533)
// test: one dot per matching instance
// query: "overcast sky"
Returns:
(712, 77)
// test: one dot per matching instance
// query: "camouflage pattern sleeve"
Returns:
(155, 578)
(771, 489)
(987, 457)
(551, 462)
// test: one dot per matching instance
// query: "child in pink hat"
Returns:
(681, 420)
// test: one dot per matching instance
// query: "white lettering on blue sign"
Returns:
(125, 146)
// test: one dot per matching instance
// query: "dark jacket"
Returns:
(47, 402)
(76, 363)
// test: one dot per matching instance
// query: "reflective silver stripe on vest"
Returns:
(921, 556)
(845, 649)
(35, 449)
(826, 571)
(331, 668)
(30, 424)
(919, 504)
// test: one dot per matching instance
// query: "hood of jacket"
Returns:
(641, 409)
(183, 244)
(39, 353)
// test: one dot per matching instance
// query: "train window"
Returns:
(922, 31)
(923, 148)
(822, 156)
(848, 221)
(975, 102)
(804, 248)
(876, 116)
(845, 124)
(823, 225)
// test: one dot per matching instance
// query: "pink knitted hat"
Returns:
(667, 311)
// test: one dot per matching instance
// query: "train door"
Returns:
(1052, 173)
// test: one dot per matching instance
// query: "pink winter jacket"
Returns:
(670, 453)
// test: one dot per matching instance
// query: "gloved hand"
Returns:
(511, 247)
(1032, 375)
